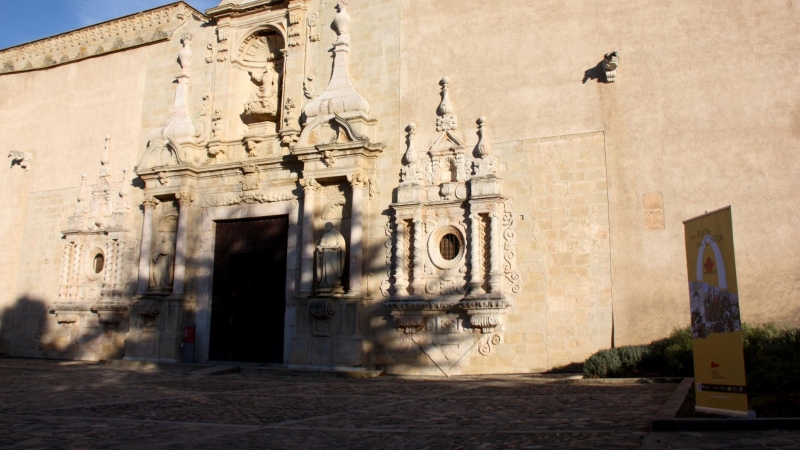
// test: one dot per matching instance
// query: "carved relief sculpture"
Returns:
(331, 258)
(264, 98)
(610, 64)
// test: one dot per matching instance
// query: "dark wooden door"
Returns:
(249, 298)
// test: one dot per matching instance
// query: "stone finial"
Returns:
(610, 64)
(411, 154)
(340, 96)
(125, 190)
(484, 148)
(342, 21)
(446, 120)
(185, 55)
(106, 158)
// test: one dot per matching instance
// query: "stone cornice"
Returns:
(131, 31)
(234, 10)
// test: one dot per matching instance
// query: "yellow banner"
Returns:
(716, 324)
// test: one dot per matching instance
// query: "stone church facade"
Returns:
(434, 188)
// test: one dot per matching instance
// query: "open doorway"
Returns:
(249, 293)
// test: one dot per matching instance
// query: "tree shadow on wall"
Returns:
(22, 326)
(28, 329)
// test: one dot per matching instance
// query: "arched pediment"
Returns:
(260, 45)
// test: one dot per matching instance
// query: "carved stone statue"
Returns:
(264, 99)
(331, 255)
(24, 159)
(161, 268)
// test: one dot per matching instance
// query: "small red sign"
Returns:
(188, 335)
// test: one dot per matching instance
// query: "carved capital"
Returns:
(358, 179)
(184, 197)
(150, 202)
(309, 184)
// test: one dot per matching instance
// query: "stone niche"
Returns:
(261, 58)
(160, 309)
(454, 248)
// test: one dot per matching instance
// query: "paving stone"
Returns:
(47, 404)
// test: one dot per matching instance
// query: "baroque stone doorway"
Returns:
(248, 300)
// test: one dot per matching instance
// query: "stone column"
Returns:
(357, 183)
(119, 286)
(476, 270)
(143, 280)
(310, 186)
(418, 266)
(400, 279)
(495, 272)
(185, 198)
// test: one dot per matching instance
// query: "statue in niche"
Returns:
(264, 99)
(161, 268)
(331, 252)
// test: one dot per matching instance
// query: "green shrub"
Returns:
(614, 362)
(771, 358)
(671, 356)
(771, 353)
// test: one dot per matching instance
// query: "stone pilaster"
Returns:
(400, 278)
(495, 271)
(143, 280)
(475, 250)
(418, 266)
(310, 187)
(185, 199)
(357, 183)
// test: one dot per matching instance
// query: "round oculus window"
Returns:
(98, 262)
(449, 247)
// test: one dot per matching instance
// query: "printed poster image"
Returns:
(720, 380)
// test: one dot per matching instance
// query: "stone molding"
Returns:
(131, 31)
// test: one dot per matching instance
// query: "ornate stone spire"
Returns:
(446, 120)
(340, 97)
(106, 158)
(485, 164)
(180, 128)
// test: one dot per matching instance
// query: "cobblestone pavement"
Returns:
(722, 440)
(51, 404)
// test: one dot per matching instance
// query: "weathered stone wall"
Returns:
(703, 112)
(61, 115)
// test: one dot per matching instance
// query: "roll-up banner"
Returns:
(719, 374)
